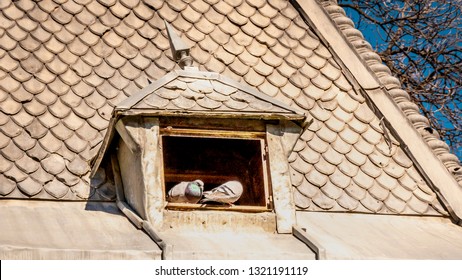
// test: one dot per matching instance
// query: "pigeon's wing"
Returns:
(224, 193)
(177, 193)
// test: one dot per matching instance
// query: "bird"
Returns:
(227, 193)
(186, 192)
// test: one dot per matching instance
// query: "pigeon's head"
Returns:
(195, 188)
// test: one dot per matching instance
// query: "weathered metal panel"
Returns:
(362, 236)
(70, 230)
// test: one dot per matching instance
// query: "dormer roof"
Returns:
(203, 93)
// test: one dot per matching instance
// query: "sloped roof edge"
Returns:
(359, 73)
(135, 98)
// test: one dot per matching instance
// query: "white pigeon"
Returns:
(186, 192)
(227, 193)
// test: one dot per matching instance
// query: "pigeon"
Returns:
(186, 192)
(227, 193)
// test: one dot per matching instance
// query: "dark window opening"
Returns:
(216, 161)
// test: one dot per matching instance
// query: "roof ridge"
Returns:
(393, 86)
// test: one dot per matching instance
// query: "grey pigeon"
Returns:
(227, 193)
(186, 192)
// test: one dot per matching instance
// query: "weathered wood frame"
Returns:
(224, 134)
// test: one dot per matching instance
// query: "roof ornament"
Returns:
(180, 50)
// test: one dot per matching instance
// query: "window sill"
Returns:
(234, 208)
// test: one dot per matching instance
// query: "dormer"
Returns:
(200, 125)
(195, 125)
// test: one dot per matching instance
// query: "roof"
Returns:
(70, 230)
(65, 65)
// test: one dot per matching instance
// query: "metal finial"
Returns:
(180, 50)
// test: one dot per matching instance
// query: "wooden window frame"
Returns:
(221, 134)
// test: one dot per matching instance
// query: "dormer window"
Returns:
(215, 157)
(193, 125)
